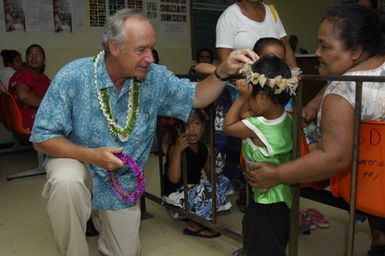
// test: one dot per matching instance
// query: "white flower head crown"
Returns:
(278, 84)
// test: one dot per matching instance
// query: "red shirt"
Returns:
(37, 83)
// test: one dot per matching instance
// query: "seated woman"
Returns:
(350, 42)
(30, 84)
(204, 55)
(189, 140)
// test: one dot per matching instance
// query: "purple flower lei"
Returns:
(116, 185)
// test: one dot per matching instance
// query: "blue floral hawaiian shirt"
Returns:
(71, 109)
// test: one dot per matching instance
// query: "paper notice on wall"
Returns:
(151, 9)
(2, 21)
(14, 15)
(173, 17)
(42, 15)
(38, 16)
(77, 14)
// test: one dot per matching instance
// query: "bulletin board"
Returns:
(204, 17)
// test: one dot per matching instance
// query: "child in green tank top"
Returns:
(268, 86)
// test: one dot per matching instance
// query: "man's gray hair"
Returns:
(114, 28)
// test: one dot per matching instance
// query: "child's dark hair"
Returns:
(180, 125)
(271, 66)
(262, 42)
(8, 56)
(200, 114)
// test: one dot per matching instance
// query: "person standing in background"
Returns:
(246, 21)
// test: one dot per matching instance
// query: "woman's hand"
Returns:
(309, 113)
(262, 175)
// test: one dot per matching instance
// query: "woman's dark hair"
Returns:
(205, 50)
(264, 41)
(356, 25)
(8, 56)
(271, 66)
(42, 51)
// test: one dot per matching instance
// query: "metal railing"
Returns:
(294, 232)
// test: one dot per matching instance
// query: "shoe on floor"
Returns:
(202, 232)
(241, 205)
(305, 220)
(317, 218)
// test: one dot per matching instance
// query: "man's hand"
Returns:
(105, 158)
(235, 61)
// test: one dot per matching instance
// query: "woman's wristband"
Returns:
(220, 78)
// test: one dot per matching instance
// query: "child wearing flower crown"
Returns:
(268, 86)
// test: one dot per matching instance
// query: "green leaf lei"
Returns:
(105, 105)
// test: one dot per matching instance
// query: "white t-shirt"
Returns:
(236, 31)
(373, 94)
(5, 75)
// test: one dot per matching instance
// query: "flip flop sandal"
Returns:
(318, 218)
(305, 220)
(201, 233)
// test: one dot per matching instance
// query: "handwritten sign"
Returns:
(371, 172)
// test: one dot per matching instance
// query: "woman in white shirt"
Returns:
(244, 23)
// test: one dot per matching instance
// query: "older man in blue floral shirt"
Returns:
(98, 107)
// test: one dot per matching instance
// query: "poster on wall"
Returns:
(98, 13)
(100, 10)
(151, 9)
(2, 20)
(136, 5)
(14, 15)
(38, 16)
(77, 15)
(115, 5)
(173, 17)
(42, 15)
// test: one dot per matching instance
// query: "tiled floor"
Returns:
(25, 229)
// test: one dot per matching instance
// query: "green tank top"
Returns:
(277, 139)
